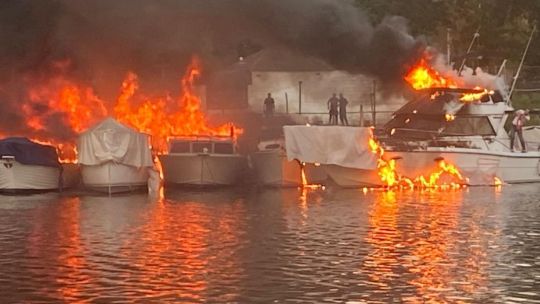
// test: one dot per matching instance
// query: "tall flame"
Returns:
(163, 118)
(78, 108)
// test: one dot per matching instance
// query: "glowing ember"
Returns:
(449, 117)
(497, 182)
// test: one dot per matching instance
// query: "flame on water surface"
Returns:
(305, 183)
(388, 173)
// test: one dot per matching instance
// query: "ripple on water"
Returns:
(475, 245)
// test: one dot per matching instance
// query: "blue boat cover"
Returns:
(28, 152)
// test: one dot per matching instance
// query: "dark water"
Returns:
(272, 246)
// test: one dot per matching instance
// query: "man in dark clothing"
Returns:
(343, 109)
(333, 109)
(269, 106)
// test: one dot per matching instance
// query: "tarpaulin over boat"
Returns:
(330, 145)
(28, 152)
(112, 141)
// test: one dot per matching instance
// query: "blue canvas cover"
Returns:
(28, 152)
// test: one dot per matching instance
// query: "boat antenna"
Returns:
(475, 37)
(520, 65)
(501, 68)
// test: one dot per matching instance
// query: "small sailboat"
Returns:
(114, 158)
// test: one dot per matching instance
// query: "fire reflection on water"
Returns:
(69, 262)
(428, 255)
(176, 249)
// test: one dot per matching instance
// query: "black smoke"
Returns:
(103, 39)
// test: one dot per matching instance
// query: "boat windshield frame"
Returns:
(435, 116)
(202, 144)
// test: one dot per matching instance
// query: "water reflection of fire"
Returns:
(78, 107)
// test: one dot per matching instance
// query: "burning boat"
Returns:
(444, 126)
(114, 158)
(28, 166)
(202, 161)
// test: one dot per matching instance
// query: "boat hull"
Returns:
(273, 169)
(111, 177)
(480, 168)
(203, 169)
(17, 177)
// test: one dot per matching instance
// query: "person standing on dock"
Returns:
(520, 118)
(343, 102)
(269, 106)
(333, 103)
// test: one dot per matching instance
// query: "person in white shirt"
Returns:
(520, 118)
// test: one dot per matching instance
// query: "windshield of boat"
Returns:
(437, 115)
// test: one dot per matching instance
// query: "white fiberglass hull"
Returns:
(15, 176)
(111, 177)
(273, 169)
(478, 167)
(203, 169)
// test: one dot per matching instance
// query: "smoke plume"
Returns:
(99, 41)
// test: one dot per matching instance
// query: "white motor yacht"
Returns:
(440, 126)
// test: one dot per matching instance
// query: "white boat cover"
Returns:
(330, 145)
(112, 141)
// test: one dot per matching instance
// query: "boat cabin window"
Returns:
(180, 147)
(469, 126)
(223, 148)
(199, 147)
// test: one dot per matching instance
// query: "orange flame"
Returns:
(387, 170)
(78, 107)
(163, 118)
(423, 76)
(305, 183)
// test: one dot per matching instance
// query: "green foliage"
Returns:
(504, 25)
(528, 101)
